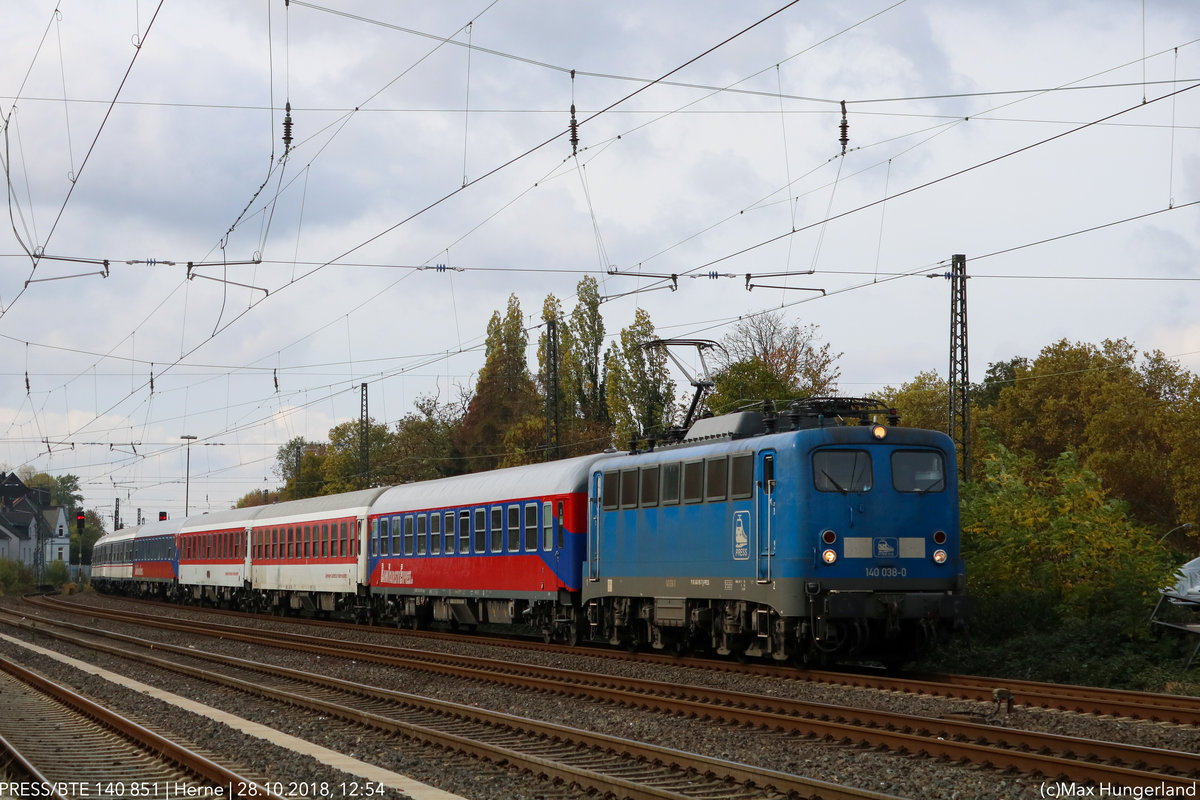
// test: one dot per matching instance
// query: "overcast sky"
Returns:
(1054, 144)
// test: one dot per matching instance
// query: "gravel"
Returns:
(886, 772)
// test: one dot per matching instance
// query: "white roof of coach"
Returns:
(118, 536)
(552, 477)
(346, 504)
(221, 520)
(165, 527)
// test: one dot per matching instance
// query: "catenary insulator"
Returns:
(287, 126)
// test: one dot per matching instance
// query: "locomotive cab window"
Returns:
(842, 471)
(918, 471)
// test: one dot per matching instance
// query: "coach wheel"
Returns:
(573, 634)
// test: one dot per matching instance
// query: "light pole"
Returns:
(187, 479)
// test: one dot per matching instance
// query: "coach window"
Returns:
(513, 540)
(670, 484)
(496, 533)
(693, 481)
(629, 488)
(325, 539)
(341, 539)
(649, 493)
(409, 546)
(421, 534)
(842, 471)
(531, 528)
(547, 527)
(741, 476)
(435, 533)
(450, 533)
(480, 530)
(612, 490)
(375, 536)
(464, 532)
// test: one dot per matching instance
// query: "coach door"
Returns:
(765, 529)
(593, 537)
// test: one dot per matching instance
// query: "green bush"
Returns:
(57, 573)
(15, 577)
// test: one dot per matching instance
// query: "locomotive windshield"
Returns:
(918, 471)
(842, 471)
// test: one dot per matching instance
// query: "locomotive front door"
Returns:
(765, 517)
(593, 526)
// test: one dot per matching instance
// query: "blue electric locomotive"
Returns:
(783, 536)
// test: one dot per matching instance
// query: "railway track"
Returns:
(1026, 751)
(593, 762)
(1176, 709)
(60, 744)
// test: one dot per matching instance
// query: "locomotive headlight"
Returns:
(939, 556)
(829, 556)
(878, 431)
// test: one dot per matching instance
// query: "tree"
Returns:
(641, 394)
(1102, 404)
(765, 358)
(300, 464)
(582, 359)
(505, 394)
(343, 467)
(922, 402)
(423, 445)
(64, 489)
(1054, 534)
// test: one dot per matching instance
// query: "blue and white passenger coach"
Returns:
(784, 536)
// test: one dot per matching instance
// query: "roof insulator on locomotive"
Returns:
(770, 418)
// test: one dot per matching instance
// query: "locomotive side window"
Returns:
(649, 497)
(716, 478)
(918, 471)
(842, 471)
(612, 490)
(629, 488)
(670, 484)
(693, 481)
(741, 476)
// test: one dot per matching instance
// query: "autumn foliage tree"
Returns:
(764, 357)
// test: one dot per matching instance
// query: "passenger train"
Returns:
(814, 534)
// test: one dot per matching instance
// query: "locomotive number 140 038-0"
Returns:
(886, 572)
